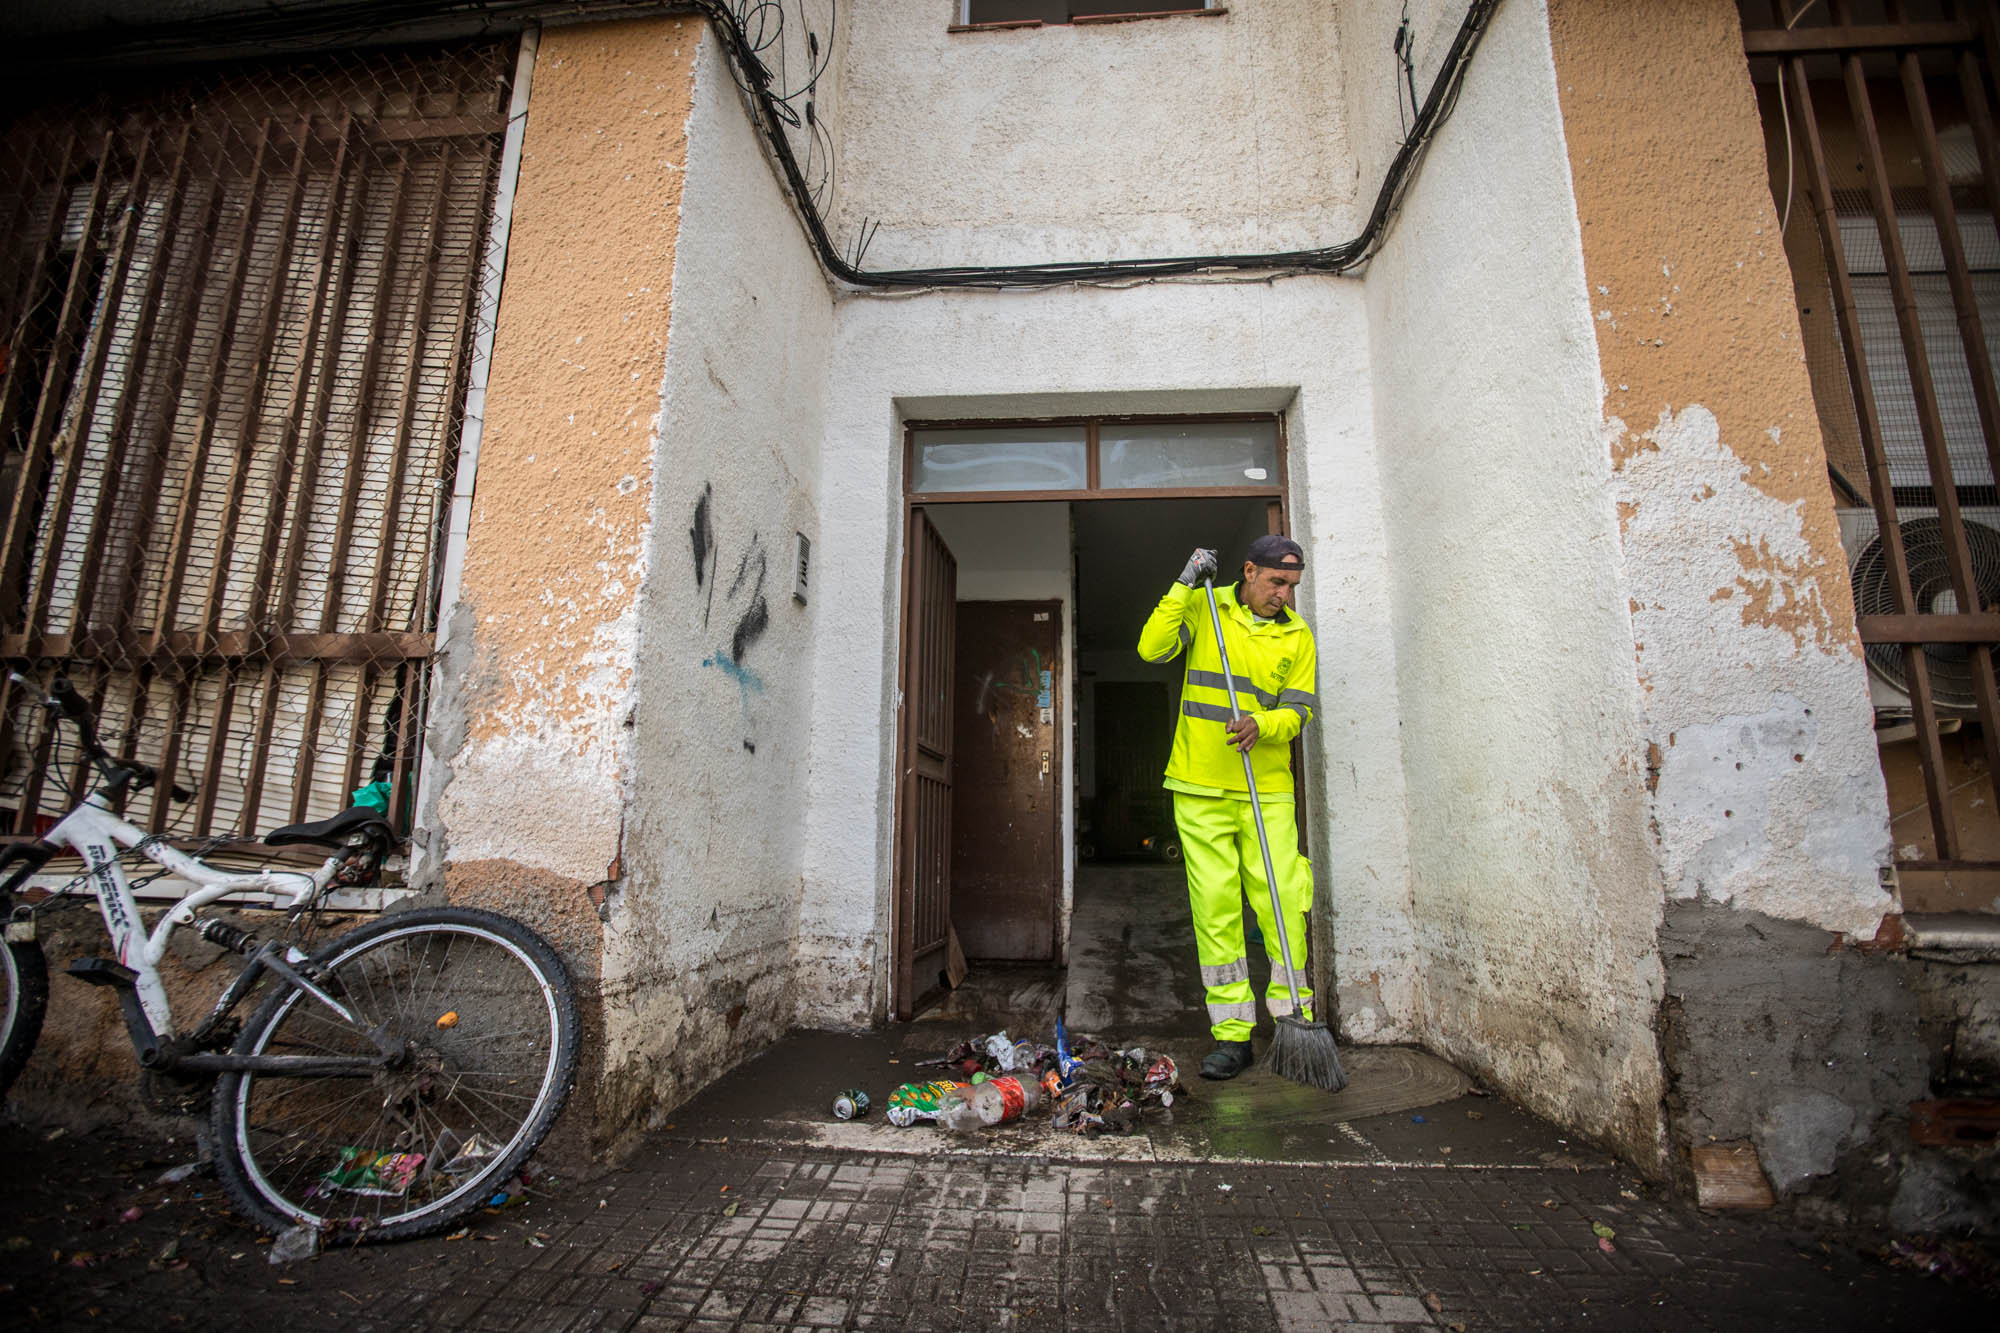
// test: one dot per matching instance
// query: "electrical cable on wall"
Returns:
(746, 30)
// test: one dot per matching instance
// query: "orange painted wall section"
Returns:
(1689, 285)
(555, 547)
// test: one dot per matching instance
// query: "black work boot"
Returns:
(1227, 1060)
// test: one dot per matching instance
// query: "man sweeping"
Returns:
(1227, 754)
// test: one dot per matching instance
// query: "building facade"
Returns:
(800, 344)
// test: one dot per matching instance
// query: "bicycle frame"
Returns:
(94, 832)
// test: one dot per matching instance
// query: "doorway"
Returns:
(1045, 825)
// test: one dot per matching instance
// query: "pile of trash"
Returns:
(1087, 1087)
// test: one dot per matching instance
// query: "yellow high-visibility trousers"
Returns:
(1224, 866)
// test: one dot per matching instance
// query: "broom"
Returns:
(1301, 1051)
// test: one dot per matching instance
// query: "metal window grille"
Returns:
(1890, 118)
(238, 310)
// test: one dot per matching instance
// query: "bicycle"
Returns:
(384, 1086)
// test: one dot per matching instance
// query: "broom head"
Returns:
(1305, 1053)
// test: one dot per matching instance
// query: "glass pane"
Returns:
(1019, 458)
(1195, 453)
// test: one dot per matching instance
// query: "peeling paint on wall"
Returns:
(557, 549)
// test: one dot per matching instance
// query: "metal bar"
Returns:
(38, 767)
(73, 437)
(312, 372)
(1960, 864)
(170, 753)
(218, 746)
(308, 490)
(54, 389)
(357, 438)
(249, 429)
(1842, 38)
(406, 404)
(187, 514)
(120, 433)
(1972, 338)
(298, 1066)
(293, 439)
(240, 647)
(1983, 627)
(1923, 388)
(159, 435)
(441, 127)
(253, 398)
(456, 376)
(410, 690)
(1930, 753)
(15, 377)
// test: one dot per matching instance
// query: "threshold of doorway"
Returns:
(1403, 1108)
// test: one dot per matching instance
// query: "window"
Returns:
(227, 434)
(1097, 457)
(977, 13)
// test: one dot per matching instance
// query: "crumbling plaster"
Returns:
(1182, 135)
(1534, 895)
(1769, 792)
(699, 935)
(555, 554)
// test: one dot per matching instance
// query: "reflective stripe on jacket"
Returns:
(1274, 664)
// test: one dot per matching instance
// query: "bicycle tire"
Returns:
(24, 989)
(414, 1149)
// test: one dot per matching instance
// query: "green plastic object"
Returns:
(374, 796)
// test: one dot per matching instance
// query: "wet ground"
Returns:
(751, 1233)
(1410, 1200)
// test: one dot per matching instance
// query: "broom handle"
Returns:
(1256, 808)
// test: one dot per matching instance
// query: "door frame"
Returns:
(903, 992)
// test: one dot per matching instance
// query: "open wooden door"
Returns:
(923, 766)
(1007, 784)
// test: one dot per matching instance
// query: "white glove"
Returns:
(1200, 565)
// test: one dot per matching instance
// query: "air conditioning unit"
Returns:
(1930, 582)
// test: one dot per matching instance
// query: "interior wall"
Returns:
(1020, 552)
(1535, 895)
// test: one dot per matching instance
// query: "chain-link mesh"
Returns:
(239, 312)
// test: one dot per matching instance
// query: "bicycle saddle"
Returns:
(334, 829)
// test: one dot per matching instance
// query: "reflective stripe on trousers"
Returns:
(1224, 866)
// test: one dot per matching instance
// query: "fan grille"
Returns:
(1930, 582)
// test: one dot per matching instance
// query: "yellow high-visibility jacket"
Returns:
(1274, 664)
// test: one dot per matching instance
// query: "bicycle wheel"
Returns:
(487, 1019)
(24, 990)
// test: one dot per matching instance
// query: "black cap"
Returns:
(1272, 551)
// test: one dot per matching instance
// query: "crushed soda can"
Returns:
(375, 1174)
(919, 1101)
(850, 1105)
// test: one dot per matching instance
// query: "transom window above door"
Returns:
(1098, 456)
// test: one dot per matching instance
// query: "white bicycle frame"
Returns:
(94, 832)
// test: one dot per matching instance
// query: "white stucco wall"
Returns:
(1186, 135)
(1535, 895)
(1374, 93)
(699, 938)
(1164, 348)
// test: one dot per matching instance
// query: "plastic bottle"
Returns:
(993, 1102)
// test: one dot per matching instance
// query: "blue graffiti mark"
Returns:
(747, 681)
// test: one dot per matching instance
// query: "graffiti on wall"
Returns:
(743, 608)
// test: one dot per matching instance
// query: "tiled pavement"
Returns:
(692, 1235)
